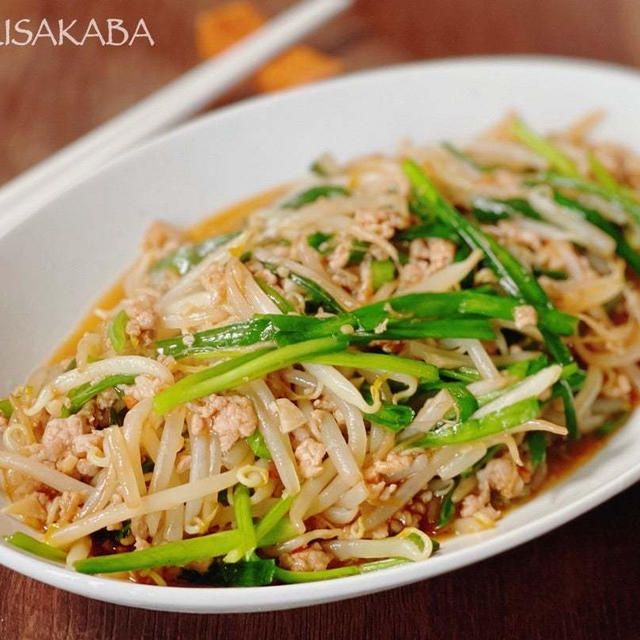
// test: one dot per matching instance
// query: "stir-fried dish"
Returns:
(391, 350)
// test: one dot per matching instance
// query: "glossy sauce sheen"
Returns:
(563, 457)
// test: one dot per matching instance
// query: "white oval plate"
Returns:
(56, 260)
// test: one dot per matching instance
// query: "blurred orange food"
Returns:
(221, 27)
(297, 66)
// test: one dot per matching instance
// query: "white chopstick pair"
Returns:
(167, 106)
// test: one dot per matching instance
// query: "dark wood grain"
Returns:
(581, 581)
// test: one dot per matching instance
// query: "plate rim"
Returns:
(15, 217)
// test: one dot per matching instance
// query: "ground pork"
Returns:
(381, 491)
(525, 316)
(106, 399)
(142, 319)
(339, 257)
(66, 443)
(474, 505)
(82, 446)
(380, 222)
(393, 463)
(143, 387)
(59, 436)
(620, 161)
(140, 533)
(426, 256)
(229, 417)
(326, 404)
(309, 454)
(412, 514)
(258, 270)
(313, 558)
(377, 476)
(616, 385)
(510, 231)
(213, 280)
(344, 279)
(403, 519)
(501, 475)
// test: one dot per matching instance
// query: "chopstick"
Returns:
(167, 106)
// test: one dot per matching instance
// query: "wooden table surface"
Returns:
(580, 581)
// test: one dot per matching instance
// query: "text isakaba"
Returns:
(112, 32)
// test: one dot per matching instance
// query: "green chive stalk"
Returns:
(194, 386)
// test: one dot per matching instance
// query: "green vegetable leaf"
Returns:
(462, 374)
(434, 229)
(537, 443)
(382, 271)
(148, 466)
(188, 256)
(611, 425)
(489, 211)
(514, 278)
(124, 531)
(447, 508)
(609, 182)
(393, 416)
(312, 194)
(242, 334)
(169, 554)
(357, 253)
(316, 293)
(275, 296)
(465, 402)
(235, 372)
(258, 445)
(563, 389)
(244, 524)
(79, 396)
(294, 577)
(37, 548)
(623, 248)
(318, 169)
(319, 240)
(252, 573)
(554, 274)
(558, 160)
(478, 428)
(627, 203)
(383, 362)
(282, 531)
(117, 331)
(461, 155)
(6, 408)
(272, 518)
